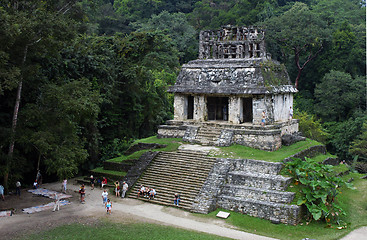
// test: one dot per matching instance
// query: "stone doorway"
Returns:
(247, 109)
(217, 108)
(190, 107)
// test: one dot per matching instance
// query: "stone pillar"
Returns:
(234, 107)
(200, 108)
(180, 107)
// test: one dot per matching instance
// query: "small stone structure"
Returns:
(228, 88)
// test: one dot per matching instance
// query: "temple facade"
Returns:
(222, 97)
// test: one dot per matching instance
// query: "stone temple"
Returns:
(220, 97)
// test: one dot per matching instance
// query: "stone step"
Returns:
(184, 204)
(186, 158)
(251, 165)
(257, 194)
(185, 169)
(275, 212)
(169, 190)
(180, 172)
(179, 180)
(182, 162)
(259, 180)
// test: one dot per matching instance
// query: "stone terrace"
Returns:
(182, 172)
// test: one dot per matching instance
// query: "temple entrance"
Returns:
(190, 107)
(247, 109)
(217, 108)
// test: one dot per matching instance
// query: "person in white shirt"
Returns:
(104, 197)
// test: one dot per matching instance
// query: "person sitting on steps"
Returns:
(104, 182)
(176, 199)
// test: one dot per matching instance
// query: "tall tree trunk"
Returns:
(14, 124)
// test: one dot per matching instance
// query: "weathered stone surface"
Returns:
(140, 166)
(190, 134)
(257, 193)
(331, 161)
(289, 139)
(240, 185)
(258, 180)
(226, 138)
(310, 152)
(287, 214)
(259, 166)
(205, 201)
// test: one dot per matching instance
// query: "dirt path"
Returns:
(123, 211)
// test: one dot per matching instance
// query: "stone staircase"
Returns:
(182, 172)
(208, 136)
(255, 188)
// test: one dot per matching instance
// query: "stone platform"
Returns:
(222, 133)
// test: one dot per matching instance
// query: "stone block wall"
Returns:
(206, 200)
(258, 180)
(260, 166)
(258, 194)
(171, 131)
(269, 140)
(276, 212)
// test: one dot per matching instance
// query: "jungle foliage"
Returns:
(80, 80)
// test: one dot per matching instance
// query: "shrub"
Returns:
(319, 189)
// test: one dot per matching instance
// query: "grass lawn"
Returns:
(239, 151)
(109, 172)
(172, 145)
(113, 231)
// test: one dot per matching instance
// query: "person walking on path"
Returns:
(64, 183)
(108, 206)
(125, 187)
(104, 197)
(82, 194)
(17, 188)
(2, 192)
(57, 202)
(92, 181)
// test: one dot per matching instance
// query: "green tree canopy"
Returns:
(338, 96)
(300, 33)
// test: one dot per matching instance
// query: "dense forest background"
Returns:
(79, 80)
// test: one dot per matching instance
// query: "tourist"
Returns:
(146, 192)
(2, 192)
(176, 199)
(141, 191)
(104, 182)
(35, 184)
(57, 203)
(117, 188)
(290, 113)
(263, 119)
(39, 178)
(17, 188)
(64, 183)
(125, 187)
(152, 193)
(92, 181)
(104, 197)
(108, 206)
(82, 194)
